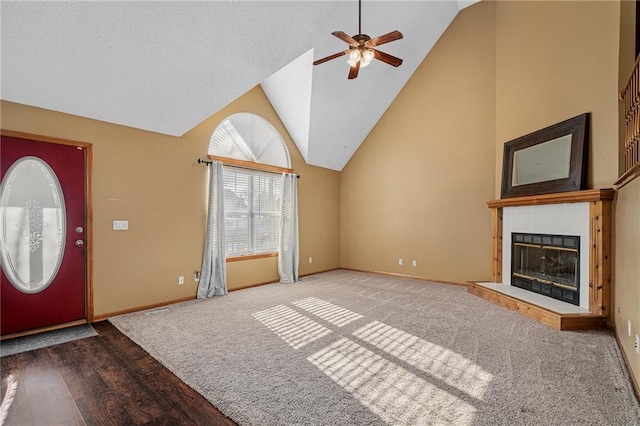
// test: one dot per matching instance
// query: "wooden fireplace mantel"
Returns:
(600, 201)
(588, 195)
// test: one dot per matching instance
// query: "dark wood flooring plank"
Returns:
(136, 396)
(103, 380)
(44, 391)
(128, 350)
(192, 406)
(112, 392)
(92, 395)
(20, 410)
(119, 341)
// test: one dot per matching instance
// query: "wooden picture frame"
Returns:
(550, 160)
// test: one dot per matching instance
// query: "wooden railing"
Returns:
(630, 95)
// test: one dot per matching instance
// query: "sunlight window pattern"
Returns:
(329, 312)
(292, 327)
(396, 395)
(406, 381)
(441, 363)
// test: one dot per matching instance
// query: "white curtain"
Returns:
(288, 254)
(213, 276)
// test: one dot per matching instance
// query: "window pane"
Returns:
(33, 225)
(252, 203)
(236, 193)
(265, 232)
(237, 233)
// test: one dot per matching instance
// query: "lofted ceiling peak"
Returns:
(167, 66)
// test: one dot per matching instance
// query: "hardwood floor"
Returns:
(103, 380)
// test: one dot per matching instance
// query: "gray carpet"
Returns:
(348, 348)
(43, 340)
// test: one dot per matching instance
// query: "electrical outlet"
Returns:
(310, 259)
(400, 262)
(414, 263)
(637, 345)
(181, 280)
(629, 327)
(196, 276)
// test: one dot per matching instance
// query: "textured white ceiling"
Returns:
(167, 66)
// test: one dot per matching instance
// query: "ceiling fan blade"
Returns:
(328, 58)
(353, 71)
(386, 58)
(387, 38)
(346, 38)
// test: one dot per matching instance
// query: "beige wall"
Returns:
(154, 182)
(627, 219)
(627, 270)
(556, 60)
(417, 187)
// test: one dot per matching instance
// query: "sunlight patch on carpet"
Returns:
(295, 329)
(329, 312)
(439, 362)
(396, 395)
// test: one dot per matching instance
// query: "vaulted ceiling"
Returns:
(166, 66)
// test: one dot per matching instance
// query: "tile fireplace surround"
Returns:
(586, 214)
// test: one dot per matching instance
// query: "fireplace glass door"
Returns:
(547, 264)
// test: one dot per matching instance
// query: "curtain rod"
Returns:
(207, 162)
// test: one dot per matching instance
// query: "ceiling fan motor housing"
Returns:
(361, 38)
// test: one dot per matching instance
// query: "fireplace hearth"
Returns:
(547, 264)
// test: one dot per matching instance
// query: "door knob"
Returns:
(79, 243)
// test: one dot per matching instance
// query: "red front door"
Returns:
(42, 234)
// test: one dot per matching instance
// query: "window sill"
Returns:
(251, 256)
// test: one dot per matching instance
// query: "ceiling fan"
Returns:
(362, 50)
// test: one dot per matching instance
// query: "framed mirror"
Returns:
(553, 159)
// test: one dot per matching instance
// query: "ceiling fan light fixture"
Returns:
(354, 57)
(367, 57)
(364, 56)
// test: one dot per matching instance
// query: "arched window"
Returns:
(254, 157)
(249, 138)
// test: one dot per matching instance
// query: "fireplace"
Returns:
(578, 222)
(547, 264)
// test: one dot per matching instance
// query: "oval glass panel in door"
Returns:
(32, 224)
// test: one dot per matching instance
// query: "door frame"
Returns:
(89, 226)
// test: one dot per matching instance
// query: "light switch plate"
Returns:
(120, 225)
